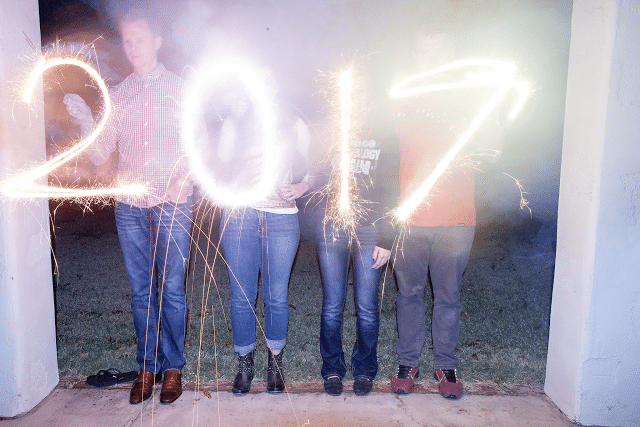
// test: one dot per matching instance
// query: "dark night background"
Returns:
(507, 286)
(304, 41)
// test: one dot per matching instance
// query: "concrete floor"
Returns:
(87, 407)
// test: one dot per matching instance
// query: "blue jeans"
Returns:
(334, 254)
(155, 245)
(442, 252)
(256, 242)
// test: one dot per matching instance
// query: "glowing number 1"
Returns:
(25, 184)
(502, 77)
(345, 122)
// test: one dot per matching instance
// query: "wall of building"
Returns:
(29, 368)
(592, 369)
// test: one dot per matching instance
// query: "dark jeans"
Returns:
(256, 242)
(443, 252)
(334, 254)
(155, 242)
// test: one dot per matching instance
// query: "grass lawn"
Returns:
(506, 294)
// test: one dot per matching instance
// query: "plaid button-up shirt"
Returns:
(145, 130)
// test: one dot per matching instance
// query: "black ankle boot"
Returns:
(242, 383)
(275, 377)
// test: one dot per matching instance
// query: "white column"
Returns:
(28, 363)
(593, 373)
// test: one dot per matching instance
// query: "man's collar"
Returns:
(153, 74)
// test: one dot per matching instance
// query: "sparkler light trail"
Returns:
(25, 185)
(344, 207)
(501, 75)
(345, 158)
(258, 94)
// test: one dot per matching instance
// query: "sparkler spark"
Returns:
(524, 203)
(25, 185)
(257, 91)
(501, 75)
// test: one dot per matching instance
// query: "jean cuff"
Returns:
(275, 345)
(245, 349)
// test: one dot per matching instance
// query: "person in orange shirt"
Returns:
(438, 236)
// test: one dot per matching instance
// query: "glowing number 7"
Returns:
(502, 76)
(25, 185)
(193, 146)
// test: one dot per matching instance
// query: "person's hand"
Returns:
(380, 257)
(79, 110)
(177, 192)
(293, 191)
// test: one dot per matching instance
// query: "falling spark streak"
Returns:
(24, 185)
(502, 77)
(345, 159)
(524, 203)
(262, 104)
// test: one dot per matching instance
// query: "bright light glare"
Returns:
(258, 92)
(501, 75)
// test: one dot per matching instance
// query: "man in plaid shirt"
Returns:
(154, 228)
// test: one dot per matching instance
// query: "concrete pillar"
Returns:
(28, 363)
(593, 374)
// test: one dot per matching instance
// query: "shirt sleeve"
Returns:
(388, 192)
(108, 138)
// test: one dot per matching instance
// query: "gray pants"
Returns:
(443, 252)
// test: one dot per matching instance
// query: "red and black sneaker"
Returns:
(449, 384)
(402, 380)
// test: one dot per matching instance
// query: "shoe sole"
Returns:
(275, 390)
(451, 397)
(401, 391)
(142, 401)
(169, 403)
(333, 394)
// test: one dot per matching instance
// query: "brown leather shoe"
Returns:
(172, 386)
(142, 387)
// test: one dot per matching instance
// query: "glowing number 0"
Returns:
(25, 184)
(502, 77)
(193, 145)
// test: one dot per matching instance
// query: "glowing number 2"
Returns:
(24, 185)
(193, 147)
(502, 76)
